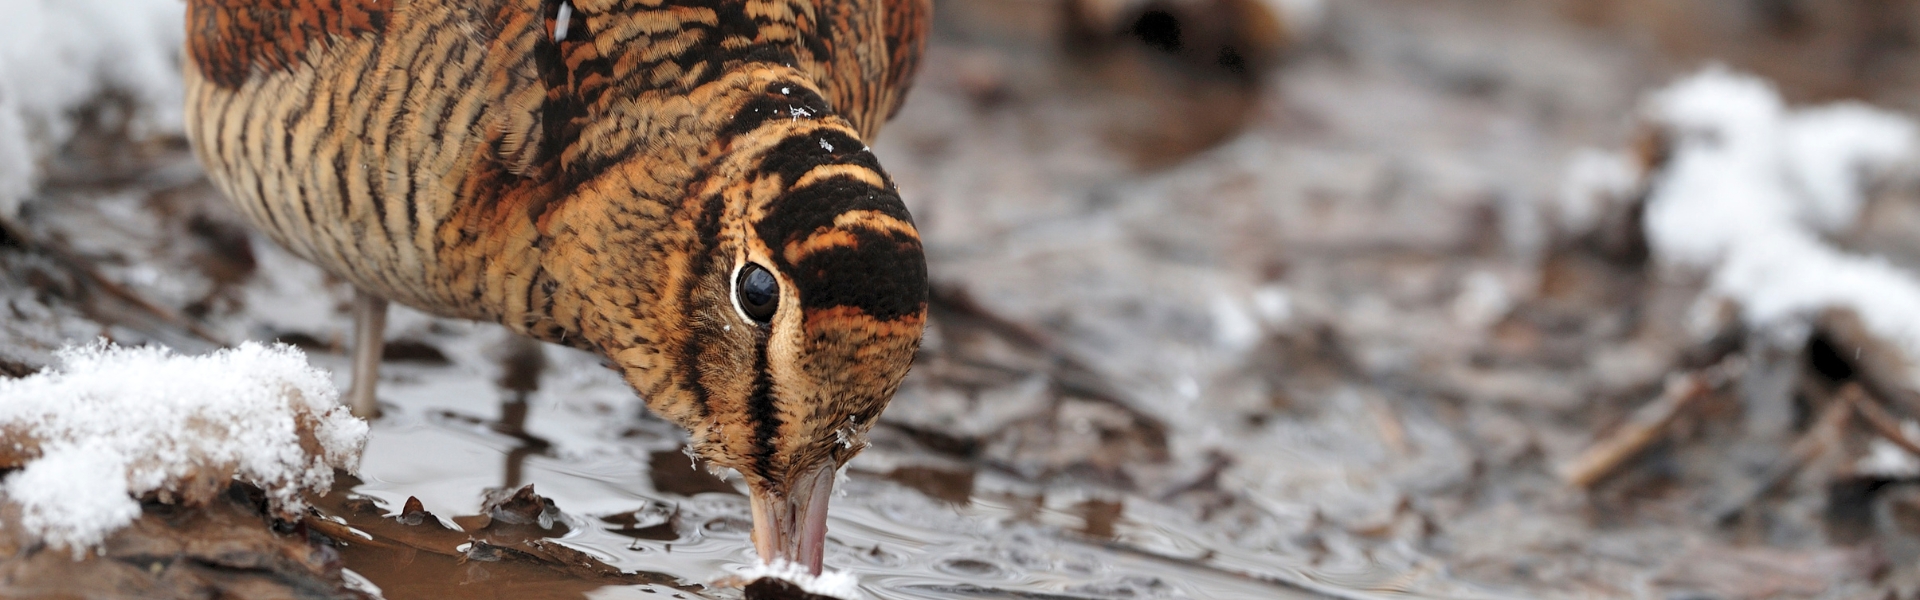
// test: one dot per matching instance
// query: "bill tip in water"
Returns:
(784, 580)
(774, 588)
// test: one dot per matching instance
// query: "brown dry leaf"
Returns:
(224, 549)
(414, 555)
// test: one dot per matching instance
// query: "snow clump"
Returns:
(58, 55)
(109, 425)
(1751, 186)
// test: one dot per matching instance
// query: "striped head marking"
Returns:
(805, 310)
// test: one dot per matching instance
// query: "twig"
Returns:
(1069, 372)
(1392, 432)
(1882, 422)
(957, 299)
(1821, 437)
(1640, 430)
(82, 267)
(1880, 367)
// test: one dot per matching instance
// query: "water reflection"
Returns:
(521, 364)
(950, 485)
(910, 524)
(674, 472)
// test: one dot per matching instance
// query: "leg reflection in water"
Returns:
(521, 365)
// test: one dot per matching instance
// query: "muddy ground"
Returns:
(1298, 324)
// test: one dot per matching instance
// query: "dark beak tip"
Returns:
(774, 588)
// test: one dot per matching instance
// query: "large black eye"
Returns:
(758, 292)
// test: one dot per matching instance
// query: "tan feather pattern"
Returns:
(600, 191)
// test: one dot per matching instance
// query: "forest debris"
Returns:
(1739, 573)
(515, 517)
(1824, 436)
(959, 301)
(223, 549)
(1751, 189)
(1882, 422)
(1392, 432)
(1879, 365)
(1641, 429)
(112, 424)
(412, 554)
(522, 507)
(53, 68)
(415, 513)
(80, 266)
(1037, 386)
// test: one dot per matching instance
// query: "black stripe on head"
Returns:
(885, 276)
(780, 100)
(797, 154)
(762, 409)
(884, 273)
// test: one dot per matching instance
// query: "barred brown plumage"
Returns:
(602, 190)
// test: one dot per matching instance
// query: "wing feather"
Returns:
(909, 23)
(231, 40)
(875, 48)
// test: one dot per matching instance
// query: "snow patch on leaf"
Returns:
(1749, 188)
(109, 424)
(57, 56)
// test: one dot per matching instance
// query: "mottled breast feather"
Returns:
(230, 40)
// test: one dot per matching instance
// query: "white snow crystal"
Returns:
(1483, 300)
(1303, 18)
(1749, 185)
(1234, 327)
(1830, 149)
(1594, 179)
(1274, 303)
(112, 424)
(1884, 459)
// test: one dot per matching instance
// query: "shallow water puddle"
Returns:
(636, 520)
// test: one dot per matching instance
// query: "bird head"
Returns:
(798, 316)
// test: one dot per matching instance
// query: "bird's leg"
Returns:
(369, 341)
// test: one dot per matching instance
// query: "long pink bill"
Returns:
(793, 527)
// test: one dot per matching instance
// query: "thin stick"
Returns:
(1882, 422)
(1819, 439)
(1640, 431)
(1879, 366)
(82, 267)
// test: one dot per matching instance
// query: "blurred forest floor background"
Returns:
(1322, 280)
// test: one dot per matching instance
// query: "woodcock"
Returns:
(683, 186)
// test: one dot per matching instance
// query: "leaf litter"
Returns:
(1334, 329)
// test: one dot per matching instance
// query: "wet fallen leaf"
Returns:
(226, 548)
(510, 547)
